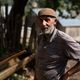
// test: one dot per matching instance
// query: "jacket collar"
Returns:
(53, 35)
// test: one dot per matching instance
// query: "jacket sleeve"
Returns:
(72, 47)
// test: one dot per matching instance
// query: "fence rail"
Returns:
(14, 63)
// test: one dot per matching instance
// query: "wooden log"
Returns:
(21, 64)
(4, 74)
(13, 56)
(27, 60)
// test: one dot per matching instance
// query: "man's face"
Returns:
(47, 24)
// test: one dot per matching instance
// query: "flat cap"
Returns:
(47, 12)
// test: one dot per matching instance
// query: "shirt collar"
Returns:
(53, 35)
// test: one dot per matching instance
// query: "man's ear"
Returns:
(55, 22)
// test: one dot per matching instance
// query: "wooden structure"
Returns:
(19, 40)
(13, 63)
(71, 27)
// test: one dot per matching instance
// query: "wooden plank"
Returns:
(13, 56)
(21, 64)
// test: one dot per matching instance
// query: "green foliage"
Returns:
(49, 3)
(10, 2)
(16, 76)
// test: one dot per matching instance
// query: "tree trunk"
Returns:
(13, 24)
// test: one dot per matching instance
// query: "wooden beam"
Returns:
(13, 56)
(10, 70)
(4, 74)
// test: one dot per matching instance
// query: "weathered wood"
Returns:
(4, 74)
(10, 70)
(27, 60)
(13, 56)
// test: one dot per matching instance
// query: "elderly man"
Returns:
(55, 48)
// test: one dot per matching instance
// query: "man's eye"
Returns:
(46, 20)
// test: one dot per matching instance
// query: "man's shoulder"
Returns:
(65, 36)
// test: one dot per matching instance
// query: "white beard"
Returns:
(48, 30)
